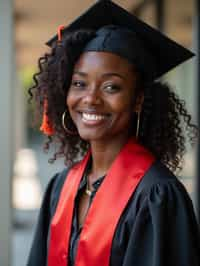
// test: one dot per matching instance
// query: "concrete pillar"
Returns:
(197, 35)
(6, 140)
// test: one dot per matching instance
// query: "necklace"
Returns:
(87, 190)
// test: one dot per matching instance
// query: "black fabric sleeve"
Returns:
(39, 248)
(38, 252)
(165, 231)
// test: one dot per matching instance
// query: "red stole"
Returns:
(95, 241)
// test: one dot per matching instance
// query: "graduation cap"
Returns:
(157, 51)
(118, 31)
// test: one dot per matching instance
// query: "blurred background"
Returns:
(25, 26)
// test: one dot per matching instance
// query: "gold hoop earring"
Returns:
(138, 125)
(70, 132)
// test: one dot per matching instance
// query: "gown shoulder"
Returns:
(163, 230)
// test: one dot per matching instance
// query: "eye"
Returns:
(78, 84)
(112, 88)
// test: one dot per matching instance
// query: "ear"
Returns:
(139, 102)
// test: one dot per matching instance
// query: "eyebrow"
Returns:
(104, 75)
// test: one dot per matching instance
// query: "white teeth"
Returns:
(92, 117)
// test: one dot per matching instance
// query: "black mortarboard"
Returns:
(157, 52)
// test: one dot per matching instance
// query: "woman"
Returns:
(119, 204)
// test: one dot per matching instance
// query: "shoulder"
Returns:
(160, 187)
(55, 186)
(58, 180)
(158, 174)
(160, 199)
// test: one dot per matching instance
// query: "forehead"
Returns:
(103, 62)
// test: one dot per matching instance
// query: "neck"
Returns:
(103, 155)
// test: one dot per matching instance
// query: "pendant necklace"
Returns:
(87, 190)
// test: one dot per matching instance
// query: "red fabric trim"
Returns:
(110, 200)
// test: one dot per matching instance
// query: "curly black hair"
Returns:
(165, 122)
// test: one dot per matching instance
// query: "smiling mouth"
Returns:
(93, 119)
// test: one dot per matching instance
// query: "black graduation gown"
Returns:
(157, 228)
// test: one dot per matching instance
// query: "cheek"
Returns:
(69, 105)
(123, 104)
(71, 100)
(68, 100)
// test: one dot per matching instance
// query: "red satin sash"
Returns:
(95, 241)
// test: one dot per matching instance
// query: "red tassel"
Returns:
(59, 31)
(46, 127)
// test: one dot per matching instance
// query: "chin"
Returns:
(95, 136)
(89, 138)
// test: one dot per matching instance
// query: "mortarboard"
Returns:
(120, 32)
(165, 53)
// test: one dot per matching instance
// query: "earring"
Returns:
(138, 125)
(70, 132)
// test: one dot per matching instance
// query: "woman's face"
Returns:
(101, 98)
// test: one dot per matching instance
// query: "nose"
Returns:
(93, 96)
